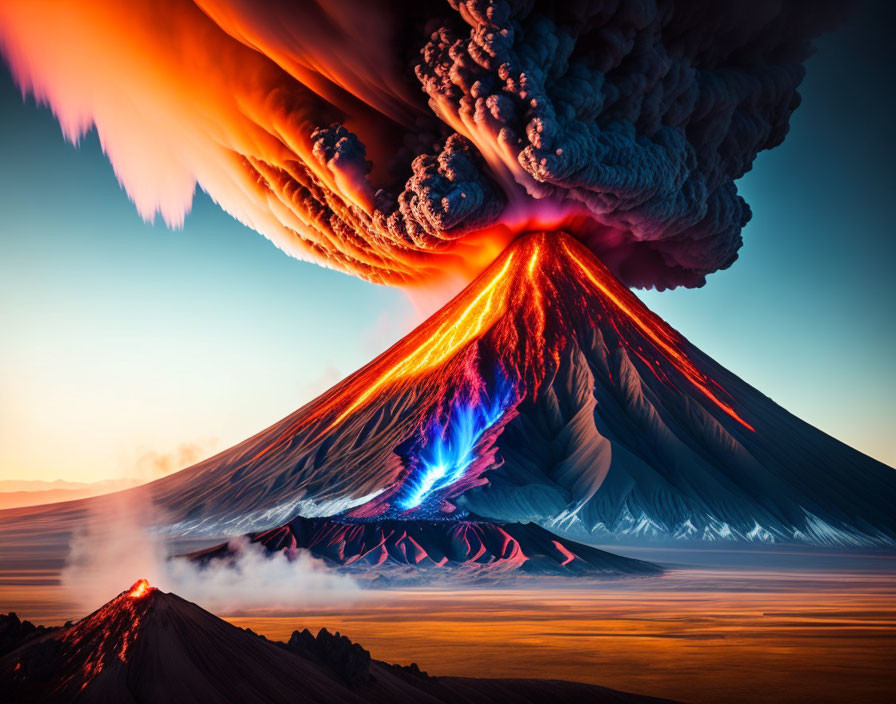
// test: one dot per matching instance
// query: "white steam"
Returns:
(116, 546)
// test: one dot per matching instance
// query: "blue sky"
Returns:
(124, 340)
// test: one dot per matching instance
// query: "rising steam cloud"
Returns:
(117, 544)
(401, 140)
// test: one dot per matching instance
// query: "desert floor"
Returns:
(721, 626)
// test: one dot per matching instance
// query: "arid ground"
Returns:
(805, 627)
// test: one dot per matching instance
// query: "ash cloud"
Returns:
(402, 141)
(644, 112)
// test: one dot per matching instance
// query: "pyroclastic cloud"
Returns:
(399, 141)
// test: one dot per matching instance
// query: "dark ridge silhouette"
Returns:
(149, 646)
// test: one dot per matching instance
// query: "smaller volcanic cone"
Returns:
(150, 646)
(469, 550)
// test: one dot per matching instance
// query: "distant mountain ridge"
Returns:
(16, 493)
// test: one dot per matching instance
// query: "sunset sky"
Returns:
(127, 345)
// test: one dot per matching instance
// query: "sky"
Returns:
(128, 347)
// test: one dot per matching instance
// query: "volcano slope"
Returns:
(545, 392)
(146, 645)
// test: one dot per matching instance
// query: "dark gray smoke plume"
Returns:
(396, 140)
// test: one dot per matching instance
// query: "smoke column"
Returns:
(405, 141)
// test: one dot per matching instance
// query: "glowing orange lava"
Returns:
(652, 327)
(140, 589)
(450, 337)
(543, 289)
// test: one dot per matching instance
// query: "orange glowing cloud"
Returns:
(408, 142)
(179, 100)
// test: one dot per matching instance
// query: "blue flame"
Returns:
(448, 450)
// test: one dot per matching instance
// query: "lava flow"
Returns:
(140, 589)
(95, 648)
(449, 446)
(523, 307)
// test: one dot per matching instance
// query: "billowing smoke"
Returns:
(401, 140)
(117, 545)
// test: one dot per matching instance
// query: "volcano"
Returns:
(545, 393)
(146, 645)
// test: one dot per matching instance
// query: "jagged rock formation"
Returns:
(14, 632)
(349, 662)
(396, 550)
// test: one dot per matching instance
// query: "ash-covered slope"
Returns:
(150, 646)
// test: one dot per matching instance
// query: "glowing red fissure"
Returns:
(660, 334)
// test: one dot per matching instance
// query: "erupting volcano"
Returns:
(554, 153)
(542, 405)
(546, 392)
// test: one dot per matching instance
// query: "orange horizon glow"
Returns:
(793, 636)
